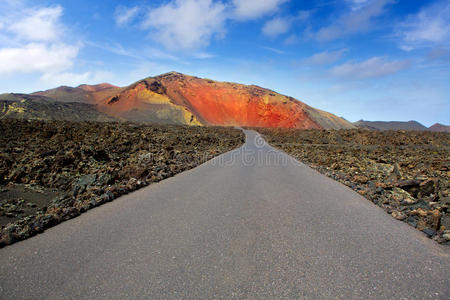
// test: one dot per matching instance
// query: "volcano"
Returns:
(175, 98)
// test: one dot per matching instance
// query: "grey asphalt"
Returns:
(250, 224)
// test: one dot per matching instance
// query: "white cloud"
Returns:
(38, 25)
(277, 51)
(406, 48)
(355, 21)
(192, 24)
(32, 41)
(371, 68)
(357, 4)
(203, 55)
(116, 48)
(276, 27)
(124, 15)
(292, 39)
(35, 41)
(158, 54)
(431, 25)
(37, 57)
(303, 15)
(326, 57)
(253, 9)
(141, 54)
(187, 24)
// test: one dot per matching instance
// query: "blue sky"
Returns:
(360, 59)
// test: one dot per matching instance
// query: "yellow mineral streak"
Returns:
(154, 98)
(17, 109)
(190, 118)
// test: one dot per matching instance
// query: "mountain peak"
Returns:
(439, 127)
(170, 74)
(96, 87)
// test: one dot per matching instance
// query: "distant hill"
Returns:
(439, 127)
(392, 125)
(83, 93)
(34, 107)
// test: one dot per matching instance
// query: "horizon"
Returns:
(378, 60)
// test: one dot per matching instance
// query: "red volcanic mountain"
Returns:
(181, 99)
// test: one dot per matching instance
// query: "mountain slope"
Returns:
(34, 107)
(328, 120)
(142, 102)
(83, 93)
(439, 127)
(192, 100)
(393, 125)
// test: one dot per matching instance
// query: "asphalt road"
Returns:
(250, 224)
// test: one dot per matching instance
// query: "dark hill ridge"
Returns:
(34, 107)
(398, 125)
(392, 125)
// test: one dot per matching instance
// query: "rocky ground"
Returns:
(405, 173)
(53, 171)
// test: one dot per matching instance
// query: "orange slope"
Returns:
(213, 103)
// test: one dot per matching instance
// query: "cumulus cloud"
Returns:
(430, 26)
(355, 21)
(326, 57)
(124, 15)
(187, 24)
(192, 24)
(253, 9)
(371, 68)
(37, 57)
(38, 25)
(32, 40)
(276, 27)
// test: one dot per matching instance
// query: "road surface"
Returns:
(250, 224)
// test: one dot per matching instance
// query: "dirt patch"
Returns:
(53, 171)
(404, 172)
(19, 201)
